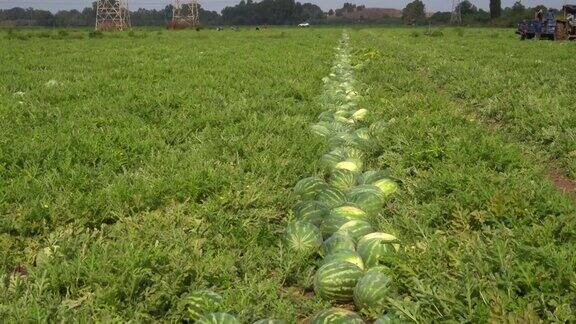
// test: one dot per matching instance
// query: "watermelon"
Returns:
(312, 211)
(342, 113)
(387, 186)
(367, 197)
(218, 318)
(362, 133)
(326, 116)
(349, 211)
(391, 319)
(308, 188)
(343, 179)
(348, 165)
(336, 281)
(369, 177)
(356, 228)
(338, 242)
(201, 302)
(347, 255)
(378, 127)
(336, 140)
(360, 114)
(374, 247)
(371, 292)
(332, 224)
(332, 197)
(269, 321)
(329, 160)
(320, 130)
(336, 316)
(303, 237)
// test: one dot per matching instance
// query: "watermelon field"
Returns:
(283, 175)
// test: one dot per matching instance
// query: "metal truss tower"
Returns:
(456, 17)
(185, 13)
(112, 15)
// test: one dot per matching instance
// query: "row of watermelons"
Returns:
(332, 216)
(333, 212)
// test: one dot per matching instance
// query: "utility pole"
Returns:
(456, 17)
(112, 15)
(185, 14)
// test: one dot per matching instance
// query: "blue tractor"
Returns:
(546, 26)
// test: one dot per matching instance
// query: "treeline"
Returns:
(87, 17)
(415, 13)
(282, 12)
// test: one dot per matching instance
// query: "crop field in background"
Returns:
(138, 167)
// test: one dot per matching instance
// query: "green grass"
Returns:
(489, 235)
(162, 162)
(158, 165)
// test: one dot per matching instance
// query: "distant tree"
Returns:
(414, 13)
(518, 8)
(467, 8)
(495, 8)
(331, 12)
(441, 18)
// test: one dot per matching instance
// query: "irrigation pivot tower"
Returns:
(456, 17)
(112, 15)
(185, 13)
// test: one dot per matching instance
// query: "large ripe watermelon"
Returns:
(201, 302)
(303, 237)
(343, 179)
(320, 129)
(356, 228)
(332, 197)
(371, 176)
(349, 211)
(391, 319)
(218, 318)
(347, 255)
(350, 165)
(308, 188)
(375, 247)
(329, 160)
(336, 316)
(387, 186)
(371, 292)
(338, 242)
(336, 280)
(360, 114)
(269, 321)
(312, 211)
(367, 197)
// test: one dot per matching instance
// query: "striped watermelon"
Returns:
(338, 242)
(367, 197)
(332, 197)
(308, 188)
(375, 247)
(336, 280)
(350, 165)
(343, 179)
(356, 228)
(371, 292)
(303, 237)
(362, 133)
(387, 186)
(336, 316)
(329, 160)
(201, 302)
(391, 319)
(360, 114)
(218, 318)
(269, 321)
(349, 211)
(312, 211)
(320, 129)
(344, 255)
(371, 176)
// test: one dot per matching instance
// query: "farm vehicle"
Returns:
(549, 26)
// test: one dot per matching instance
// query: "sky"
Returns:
(217, 5)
